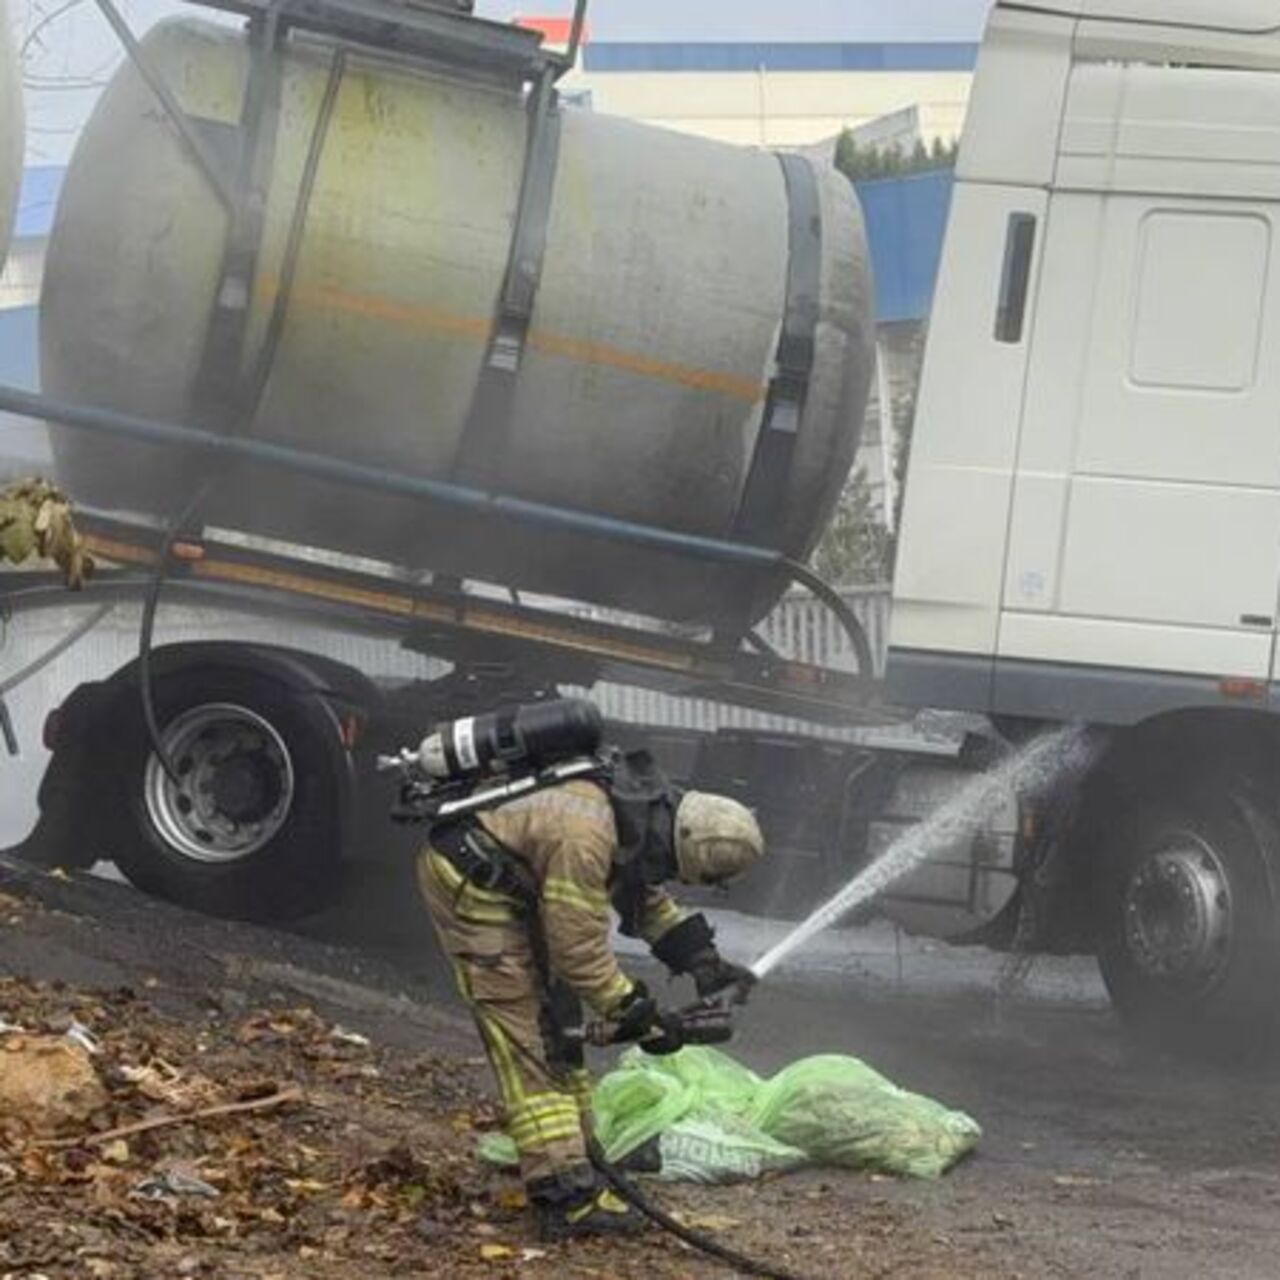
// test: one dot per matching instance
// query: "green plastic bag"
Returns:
(720, 1150)
(717, 1121)
(843, 1113)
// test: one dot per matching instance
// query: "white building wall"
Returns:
(20, 279)
(779, 108)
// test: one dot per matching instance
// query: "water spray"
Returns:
(1030, 768)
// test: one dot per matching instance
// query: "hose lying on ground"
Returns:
(632, 1194)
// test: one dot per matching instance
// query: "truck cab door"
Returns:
(1144, 549)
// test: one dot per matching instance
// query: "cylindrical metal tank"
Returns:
(11, 130)
(651, 350)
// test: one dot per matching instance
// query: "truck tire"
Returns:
(253, 828)
(1189, 946)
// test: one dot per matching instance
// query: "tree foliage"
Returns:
(857, 548)
(866, 163)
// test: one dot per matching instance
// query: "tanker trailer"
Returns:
(11, 132)
(692, 294)
(696, 358)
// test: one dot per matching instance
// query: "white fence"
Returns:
(799, 628)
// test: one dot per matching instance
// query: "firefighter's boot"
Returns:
(574, 1205)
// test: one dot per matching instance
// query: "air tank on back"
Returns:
(11, 130)
(643, 386)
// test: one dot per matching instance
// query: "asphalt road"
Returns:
(1099, 1159)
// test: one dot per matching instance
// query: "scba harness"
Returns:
(644, 803)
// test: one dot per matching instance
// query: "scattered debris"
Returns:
(46, 1084)
(251, 1142)
(173, 1182)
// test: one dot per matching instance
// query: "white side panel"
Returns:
(1183, 130)
(1069, 282)
(1228, 15)
(1025, 60)
(1035, 541)
(1174, 388)
(1140, 647)
(1197, 555)
(951, 557)
(1252, 16)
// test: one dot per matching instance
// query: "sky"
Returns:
(69, 52)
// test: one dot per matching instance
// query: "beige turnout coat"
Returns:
(567, 837)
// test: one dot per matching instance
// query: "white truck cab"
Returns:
(1091, 529)
(1098, 429)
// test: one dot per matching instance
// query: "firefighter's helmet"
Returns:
(717, 839)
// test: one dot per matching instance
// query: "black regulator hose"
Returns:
(636, 1198)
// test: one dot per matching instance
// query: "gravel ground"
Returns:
(1099, 1159)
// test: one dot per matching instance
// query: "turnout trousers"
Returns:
(493, 946)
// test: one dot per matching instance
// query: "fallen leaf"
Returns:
(496, 1252)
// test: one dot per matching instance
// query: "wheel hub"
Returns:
(1177, 914)
(234, 785)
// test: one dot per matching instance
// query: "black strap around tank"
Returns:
(488, 422)
(227, 392)
(217, 390)
(762, 511)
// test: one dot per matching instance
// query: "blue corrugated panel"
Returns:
(712, 56)
(906, 220)
(24, 445)
(37, 200)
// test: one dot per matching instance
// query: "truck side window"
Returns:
(1015, 279)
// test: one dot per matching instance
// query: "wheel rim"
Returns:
(234, 787)
(1178, 914)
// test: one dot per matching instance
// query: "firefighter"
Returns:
(522, 899)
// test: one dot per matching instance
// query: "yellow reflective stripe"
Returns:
(569, 894)
(444, 870)
(610, 996)
(543, 1101)
(504, 1066)
(546, 1138)
(661, 919)
(567, 1115)
(480, 914)
(533, 1127)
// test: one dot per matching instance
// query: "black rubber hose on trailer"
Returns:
(849, 620)
(146, 632)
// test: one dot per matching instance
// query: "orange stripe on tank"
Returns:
(581, 351)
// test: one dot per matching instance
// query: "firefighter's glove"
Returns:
(713, 974)
(665, 1036)
(640, 1021)
(635, 1017)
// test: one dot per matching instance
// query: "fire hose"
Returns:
(709, 1021)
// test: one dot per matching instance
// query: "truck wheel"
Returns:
(252, 826)
(1190, 942)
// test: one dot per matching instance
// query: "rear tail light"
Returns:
(52, 725)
